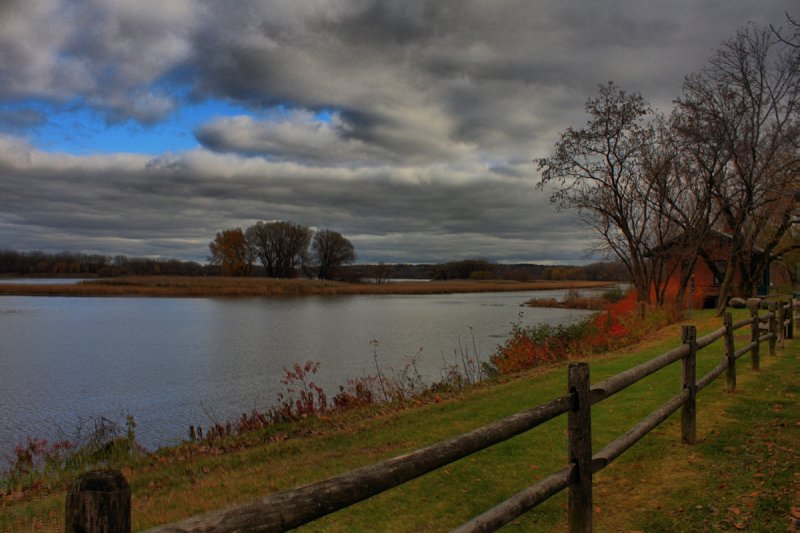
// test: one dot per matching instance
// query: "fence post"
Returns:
(580, 450)
(730, 353)
(755, 326)
(99, 502)
(689, 410)
(781, 321)
(772, 325)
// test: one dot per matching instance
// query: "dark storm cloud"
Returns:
(410, 126)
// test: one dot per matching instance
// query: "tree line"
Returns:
(80, 264)
(69, 263)
(724, 161)
(283, 248)
(486, 269)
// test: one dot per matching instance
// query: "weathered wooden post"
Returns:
(755, 327)
(772, 325)
(579, 421)
(99, 502)
(730, 353)
(781, 320)
(689, 410)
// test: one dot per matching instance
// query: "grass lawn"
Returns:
(742, 473)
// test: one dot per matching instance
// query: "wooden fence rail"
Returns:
(292, 508)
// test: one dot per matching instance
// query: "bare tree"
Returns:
(280, 246)
(330, 250)
(792, 40)
(741, 111)
(697, 170)
(609, 171)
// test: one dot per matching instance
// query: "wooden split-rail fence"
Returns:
(100, 501)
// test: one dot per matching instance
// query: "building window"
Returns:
(722, 267)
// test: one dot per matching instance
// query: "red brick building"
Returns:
(703, 290)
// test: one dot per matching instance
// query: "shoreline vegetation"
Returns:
(575, 300)
(181, 286)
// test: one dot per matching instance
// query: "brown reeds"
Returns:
(176, 286)
(573, 300)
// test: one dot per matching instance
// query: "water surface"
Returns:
(171, 362)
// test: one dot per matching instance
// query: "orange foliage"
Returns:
(618, 325)
(521, 352)
(610, 326)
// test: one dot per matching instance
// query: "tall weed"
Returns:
(97, 442)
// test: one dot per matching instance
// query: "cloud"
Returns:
(110, 54)
(21, 119)
(298, 136)
(131, 201)
(408, 125)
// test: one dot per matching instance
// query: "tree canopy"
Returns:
(280, 246)
(284, 248)
(330, 250)
(230, 251)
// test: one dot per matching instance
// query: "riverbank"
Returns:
(177, 286)
(738, 475)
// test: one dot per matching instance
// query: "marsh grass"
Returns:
(178, 286)
(575, 300)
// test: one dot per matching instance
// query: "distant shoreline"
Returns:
(177, 286)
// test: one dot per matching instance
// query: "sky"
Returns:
(144, 127)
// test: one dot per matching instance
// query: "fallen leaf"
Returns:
(735, 510)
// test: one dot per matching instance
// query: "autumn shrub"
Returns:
(625, 322)
(620, 323)
(538, 345)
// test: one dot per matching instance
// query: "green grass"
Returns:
(658, 485)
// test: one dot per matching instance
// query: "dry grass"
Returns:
(580, 302)
(166, 286)
(575, 300)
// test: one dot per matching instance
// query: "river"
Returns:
(172, 362)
